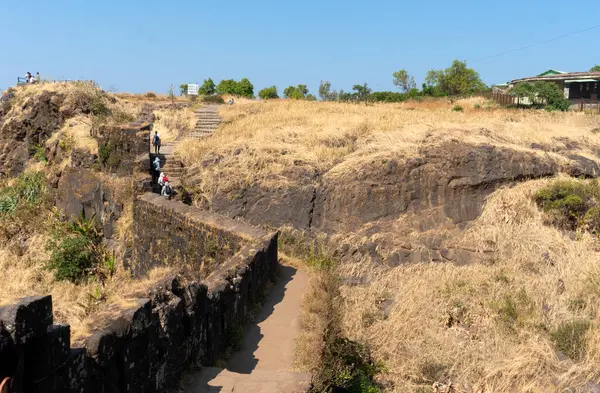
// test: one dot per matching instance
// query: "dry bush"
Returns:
(172, 123)
(491, 327)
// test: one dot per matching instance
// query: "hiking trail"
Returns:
(265, 362)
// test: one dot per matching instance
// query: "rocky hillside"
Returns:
(391, 181)
(451, 274)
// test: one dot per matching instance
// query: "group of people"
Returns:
(32, 79)
(162, 180)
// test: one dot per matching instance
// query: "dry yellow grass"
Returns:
(270, 137)
(172, 123)
(486, 327)
(73, 304)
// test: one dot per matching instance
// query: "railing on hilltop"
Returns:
(23, 81)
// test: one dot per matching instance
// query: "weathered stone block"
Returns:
(29, 318)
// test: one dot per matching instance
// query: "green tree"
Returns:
(268, 93)
(245, 89)
(363, 92)
(183, 88)
(227, 86)
(404, 81)
(595, 68)
(542, 93)
(208, 88)
(455, 80)
(299, 92)
(326, 93)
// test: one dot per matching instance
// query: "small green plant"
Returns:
(38, 152)
(28, 191)
(570, 338)
(457, 108)
(103, 153)
(477, 106)
(592, 219)
(66, 142)
(110, 263)
(8, 204)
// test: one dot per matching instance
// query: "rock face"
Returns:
(81, 192)
(446, 182)
(31, 122)
(395, 209)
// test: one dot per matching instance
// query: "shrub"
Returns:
(28, 191)
(568, 201)
(457, 108)
(570, 338)
(592, 219)
(477, 106)
(350, 366)
(214, 99)
(72, 258)
(268, 93)
(150, 95)
(76, 250)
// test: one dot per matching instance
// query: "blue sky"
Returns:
(139, 46)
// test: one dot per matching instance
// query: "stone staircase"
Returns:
(208, 120)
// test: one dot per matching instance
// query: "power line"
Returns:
(537, 43)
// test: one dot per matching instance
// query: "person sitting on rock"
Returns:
(161, 180)
(166, 188)
(156, 142)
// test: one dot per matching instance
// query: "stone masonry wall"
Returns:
(145, 348)
(170, 233)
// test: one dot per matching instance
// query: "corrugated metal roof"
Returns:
(551, 72)
(560, 77)
(581, 80)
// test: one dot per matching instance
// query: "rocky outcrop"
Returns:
(32, 121)
(446, 182)
(81, 192)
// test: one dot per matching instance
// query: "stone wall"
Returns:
(145, 348)
(168, 232)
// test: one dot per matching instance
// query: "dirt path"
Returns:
(265, 362)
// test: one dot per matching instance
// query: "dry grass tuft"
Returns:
(489, 326)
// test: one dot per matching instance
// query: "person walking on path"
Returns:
(156, 142)
(156, 169)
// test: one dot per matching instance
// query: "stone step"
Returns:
(212, 379)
